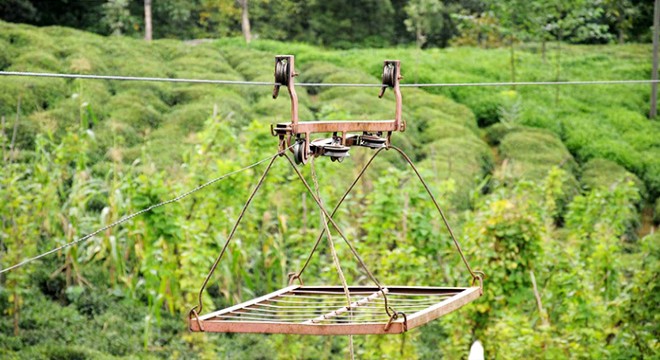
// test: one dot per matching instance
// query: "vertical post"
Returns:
(147, 20)
(653, 112)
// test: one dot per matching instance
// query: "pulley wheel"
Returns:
(336, 152)
(330, 147)
(299, 152)
(372, 141)
(388, 75)
(282, 72)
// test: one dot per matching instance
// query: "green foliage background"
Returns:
(536, 179)
(351, 24)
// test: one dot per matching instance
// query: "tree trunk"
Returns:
(619, 23)
(420, 37)
(245, 21)
(147, 20)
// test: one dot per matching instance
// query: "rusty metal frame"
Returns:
(315, 310)
(301, 130)
(213, 322)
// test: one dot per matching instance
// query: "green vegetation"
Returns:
(539, 180)
(350, 24)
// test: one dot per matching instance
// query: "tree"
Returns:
(512, 22)
(346, 24)
(116, 16)
(623, 12)
(423, 17)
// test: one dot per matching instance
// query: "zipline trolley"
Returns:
(335, 310)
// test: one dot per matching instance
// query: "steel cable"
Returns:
(129, 217)
(303, 84)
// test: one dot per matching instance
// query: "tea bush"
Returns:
(88, 152)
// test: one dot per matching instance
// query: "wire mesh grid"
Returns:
(325, 310)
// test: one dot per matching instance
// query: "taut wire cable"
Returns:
(268, 83)
(129, 217)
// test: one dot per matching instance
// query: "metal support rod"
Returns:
(199, 307)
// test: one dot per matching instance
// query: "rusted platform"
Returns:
(324, 310)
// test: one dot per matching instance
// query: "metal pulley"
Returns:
(389, 78)
(296, 136)
(331, 147)
(372, 141)
(283, 74)
(299, 150)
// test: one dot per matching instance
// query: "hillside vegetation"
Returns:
(542, 180)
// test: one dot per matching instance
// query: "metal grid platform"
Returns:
(323, 310)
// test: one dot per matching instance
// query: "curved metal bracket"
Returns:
(284, 74)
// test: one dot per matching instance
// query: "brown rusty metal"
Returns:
(329, 310)
(322, 310)
(297, 131)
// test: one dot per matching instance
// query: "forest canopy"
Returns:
(347, 24)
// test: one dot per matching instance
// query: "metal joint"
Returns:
(297, 135)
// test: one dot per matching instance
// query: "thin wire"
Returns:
(340, 85)
(334, 211)
(334, 224)
(135, 78)
(126, 218)
(534, 83)
(267, 83)
(199, 307)
(475, 274)
(335, 257)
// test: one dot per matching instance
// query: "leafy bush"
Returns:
(143, 110)
(465, 160)
(532, 153)
(154, 140)
(496, 132)
(601, 173)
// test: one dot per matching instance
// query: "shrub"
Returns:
(442, 129)
(279, 110)
(213, 67)
(601, 173)
(6, 54)
(141, 109)
(316, 72)
(360, 106)
(419, 99)
(532, 153)
(483, 102)
(496, 132)
(189, 117)
(466, 160)
(25, 37)
(651, 173)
